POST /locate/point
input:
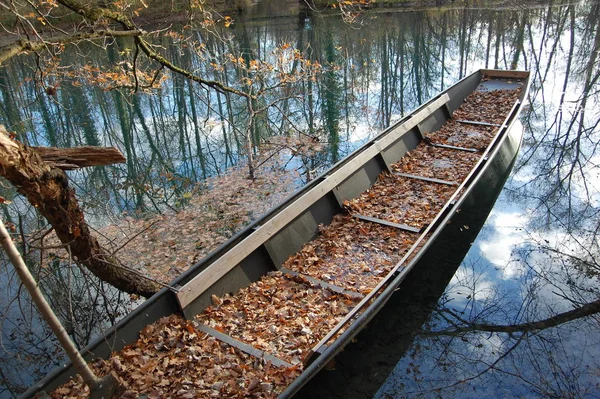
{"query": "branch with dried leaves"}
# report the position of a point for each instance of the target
(24, 45)
(101, 16)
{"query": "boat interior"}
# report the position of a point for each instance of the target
(289, 291)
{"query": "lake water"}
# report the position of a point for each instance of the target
(536, 259)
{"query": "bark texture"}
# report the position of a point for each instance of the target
(79, 157)
(47, 189)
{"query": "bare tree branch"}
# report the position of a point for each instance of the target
(554, 321)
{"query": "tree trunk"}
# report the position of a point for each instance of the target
(47, 189)
(249, 149)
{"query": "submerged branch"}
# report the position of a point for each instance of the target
(586, 310)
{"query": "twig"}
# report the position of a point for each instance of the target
(134, 236)
(129, 269)
(45, 309)
(22, 233)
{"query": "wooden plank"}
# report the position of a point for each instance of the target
(386, 223)
(362, 180)
(478, 123)
(244, 347)
(453, 147)
(79, 157)
(291, 238)
(395, 152)
(203, 280)
(428, 179)
(322, 283)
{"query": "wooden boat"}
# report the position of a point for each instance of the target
(287, 293)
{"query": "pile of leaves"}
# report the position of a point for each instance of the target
(438, 163)
(463, 135)
(173, 359)
(410, 201)
(282, 315)
(401, 200)
(490, 106)
(351, 254)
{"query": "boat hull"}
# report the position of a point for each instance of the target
(265, 244)
(488, 184)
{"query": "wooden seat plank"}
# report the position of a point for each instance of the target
(428, 179)
(466, 122)
(387, 223)
(322, 283)
(453, 147)
(244, 347)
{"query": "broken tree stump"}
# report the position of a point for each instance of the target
(79, 157)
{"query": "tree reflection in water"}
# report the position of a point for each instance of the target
(518, 317)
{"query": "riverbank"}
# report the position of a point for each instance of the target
(155, 14)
